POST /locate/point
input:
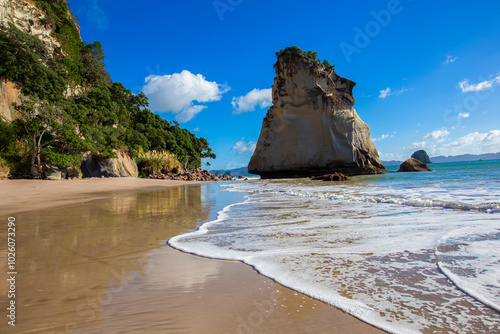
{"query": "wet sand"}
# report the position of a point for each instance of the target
(98, 263)
(26, 195)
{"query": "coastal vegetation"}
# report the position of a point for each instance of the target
(298, 52)
(152, 162)
(70, 105)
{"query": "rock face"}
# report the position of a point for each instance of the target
(4, 172)
(121, 166)
(9, 94)
(421, 156)
(312, 128)
(53, 173)
(413, 165)
(26, 16)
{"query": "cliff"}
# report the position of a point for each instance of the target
(67, 106)
(312, 128)
(27, 17)
(9, 93)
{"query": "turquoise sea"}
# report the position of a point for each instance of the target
(405, 252)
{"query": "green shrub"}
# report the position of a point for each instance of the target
(155, 162)
(61, 160)
(295, 51)
(8, 136)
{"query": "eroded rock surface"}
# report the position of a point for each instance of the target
(413, 165)
(121, 166)
(312, 128)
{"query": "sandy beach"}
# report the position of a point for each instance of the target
(91, 258)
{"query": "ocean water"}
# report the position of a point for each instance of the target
(406, 252)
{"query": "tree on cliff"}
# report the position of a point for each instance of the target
(99, 116)
(45, 126)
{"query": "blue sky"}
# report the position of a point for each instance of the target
(427, 72)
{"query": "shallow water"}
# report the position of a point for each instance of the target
(103, 266)
(68, 257)
(406, 252)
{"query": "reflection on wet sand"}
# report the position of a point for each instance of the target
(103, 267)
(67, 257)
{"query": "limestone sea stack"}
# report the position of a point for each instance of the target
(312, 129)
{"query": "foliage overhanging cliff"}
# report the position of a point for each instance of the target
(71, 105)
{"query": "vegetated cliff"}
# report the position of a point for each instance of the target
(312, 128)
(67, 106)
(28, 17)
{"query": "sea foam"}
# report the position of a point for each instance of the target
(402, 259)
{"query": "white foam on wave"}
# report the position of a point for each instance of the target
(431, 197)
(375, 260)
(470, 258)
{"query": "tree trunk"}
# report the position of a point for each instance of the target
(33, 169)
(38, 149)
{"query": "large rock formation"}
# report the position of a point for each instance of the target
(28, 17)
(312, 128)
(414, 165)
(121, 166)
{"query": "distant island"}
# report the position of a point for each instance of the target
(242, 171)
(456, 158)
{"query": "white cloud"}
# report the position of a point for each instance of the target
(388, 92)
(463, 115)
(97, 16)
(390, 156)
(256, 97)
(383, 137)
(450, 59)
(437, 135)
(401, 91)
(185, 115)
(384, 93)
(472, 143)
(243, 147)
(422, 145)
(196, 129)
(466, 87)
(477, 143)
(176, 93)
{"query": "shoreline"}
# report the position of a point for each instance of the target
(95, 256)
(26, 195)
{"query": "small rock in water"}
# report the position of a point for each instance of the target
(331, 177)
(413, 165)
